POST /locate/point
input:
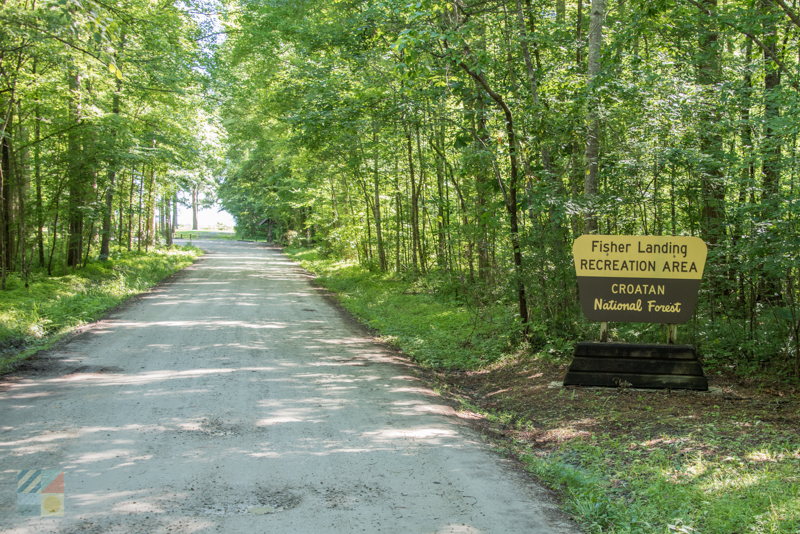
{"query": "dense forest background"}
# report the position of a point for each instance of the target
(460, 144)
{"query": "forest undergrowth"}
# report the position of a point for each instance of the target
(621, 461)
(38, 309)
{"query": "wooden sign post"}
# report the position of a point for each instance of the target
(642, 279)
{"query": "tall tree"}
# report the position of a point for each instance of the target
(593, 116)
(711, 141)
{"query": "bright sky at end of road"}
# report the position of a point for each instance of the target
(206, 218)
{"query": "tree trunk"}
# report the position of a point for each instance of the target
(194, 207)
(555, 181)
(414, 197)
(423, 256)
(174, 213)
(367, 209)
(441, 256)
(482, 187)
(112, 176)
(376, 206)
(579, 34)
(771, 152)
(5, 197)
(120, 209)
(140, 228)
(22, 175)
(511, 200)
(37, 169)
(534, 86)
(711, 143)
(55, 234)
(150, 209)
(577, 161)
(109, 208)
(77, 193)
(88, 244)
(593, 132)
(130, 207)
(162, 217)
(168, 222)
(748, 170)
(398, 199)
(771, 166)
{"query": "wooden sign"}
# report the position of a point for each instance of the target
(639, 279)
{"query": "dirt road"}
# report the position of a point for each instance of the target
(236, 398)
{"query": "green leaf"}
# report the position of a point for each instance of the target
(461, 141)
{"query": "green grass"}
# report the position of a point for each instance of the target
(433, 329)
(32, 318)
(620, 486)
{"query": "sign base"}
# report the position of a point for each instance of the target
(636, 365)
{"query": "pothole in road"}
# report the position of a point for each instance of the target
(216, 427)
(260, 502)
(95, 369)
(348, 498)
(241, 508)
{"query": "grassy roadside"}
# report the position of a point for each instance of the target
(33, 318)
(622, 461)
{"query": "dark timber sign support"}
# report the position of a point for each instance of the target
(642, 279)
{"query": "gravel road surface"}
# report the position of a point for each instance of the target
(237, 398)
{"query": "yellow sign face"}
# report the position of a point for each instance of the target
(644, 279)
(630, 256)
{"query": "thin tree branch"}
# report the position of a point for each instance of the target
(41, 139)
(788, 10)
(225, 32)
(499, 100)
(57, 38)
